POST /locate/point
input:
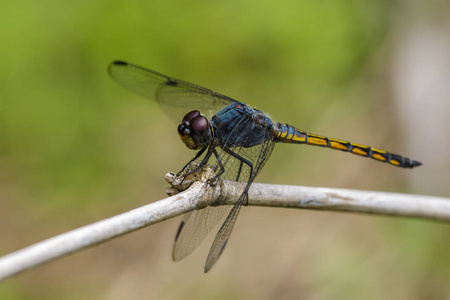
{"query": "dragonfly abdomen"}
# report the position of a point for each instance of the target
(288, 134)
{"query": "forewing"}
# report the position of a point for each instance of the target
(176, 97)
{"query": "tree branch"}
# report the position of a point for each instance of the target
(201, 194)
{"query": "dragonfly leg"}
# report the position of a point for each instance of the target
(211, 150)
(243, 161)
(240, 169)
(199, 153)
(219, 162)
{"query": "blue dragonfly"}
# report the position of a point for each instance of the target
(238, 138)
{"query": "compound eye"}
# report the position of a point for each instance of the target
(200, 131)
(190, 115)
(199, 124)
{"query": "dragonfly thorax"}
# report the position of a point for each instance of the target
(195, 130)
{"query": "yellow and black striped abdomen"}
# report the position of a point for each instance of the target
(285, 133)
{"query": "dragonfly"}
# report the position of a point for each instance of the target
(238, 138)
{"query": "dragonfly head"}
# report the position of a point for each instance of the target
(195, 130)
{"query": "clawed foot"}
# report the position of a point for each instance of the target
(190, 174)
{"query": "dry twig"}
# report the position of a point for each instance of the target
(200, 194)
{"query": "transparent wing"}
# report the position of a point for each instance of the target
(221, 239)
(175, 97)
(194, 228)
(237, 170)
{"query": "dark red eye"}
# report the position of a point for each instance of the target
(190, 115)
(200, 131)
(195, 130)
(198, 124)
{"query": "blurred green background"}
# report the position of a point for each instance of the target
(76, 148)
